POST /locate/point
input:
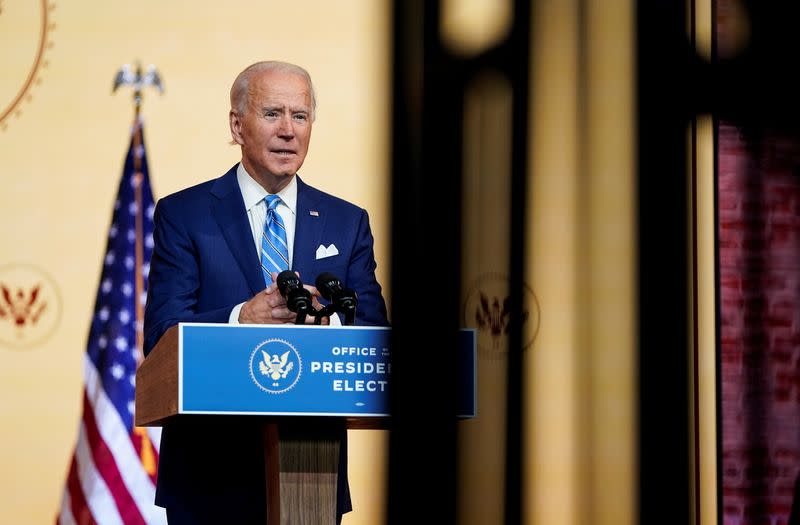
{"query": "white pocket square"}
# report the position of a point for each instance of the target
(330, 251)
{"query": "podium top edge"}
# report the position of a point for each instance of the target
(291, 326)
(309, 326)
(285, 326)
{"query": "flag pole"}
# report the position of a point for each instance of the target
(138, 79)
(137, 188)
(135, 78)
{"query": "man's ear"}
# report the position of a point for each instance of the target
(236, 128)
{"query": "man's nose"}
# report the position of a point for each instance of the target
(286, 130)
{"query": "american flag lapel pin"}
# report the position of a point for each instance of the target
(313, 213)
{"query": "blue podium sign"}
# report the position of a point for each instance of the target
(295, 370)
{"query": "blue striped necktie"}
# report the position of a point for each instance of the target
(274, 249)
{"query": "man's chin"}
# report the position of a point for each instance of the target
(285, 169)
(280, 172)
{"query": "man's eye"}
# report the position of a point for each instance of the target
(270, 114)
(301, 116)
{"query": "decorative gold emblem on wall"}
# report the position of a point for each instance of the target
(30, 306)
(487, 308)
(25, 30)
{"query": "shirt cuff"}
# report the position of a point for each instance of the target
(234, 317)
(335, 321)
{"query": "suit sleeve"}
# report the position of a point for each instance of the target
(174, 280)
(360, 277)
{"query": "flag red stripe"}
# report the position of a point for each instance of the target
(80, 510)
(107, 467)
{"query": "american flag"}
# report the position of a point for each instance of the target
(112, 476)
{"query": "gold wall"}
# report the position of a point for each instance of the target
(580, 374)
(61, 154)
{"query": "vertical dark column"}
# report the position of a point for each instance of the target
(426, 189)
(664, 360)
(516, 54)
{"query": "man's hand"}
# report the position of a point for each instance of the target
(266, 307)
(269, 307)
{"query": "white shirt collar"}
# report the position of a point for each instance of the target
(253, 193)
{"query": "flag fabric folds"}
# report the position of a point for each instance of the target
(112, 476)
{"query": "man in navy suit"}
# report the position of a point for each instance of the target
(206, 268)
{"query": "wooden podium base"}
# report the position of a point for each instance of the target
(301, 463)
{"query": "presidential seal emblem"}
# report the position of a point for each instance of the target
(487, 308)
(275, 366)
(25, 30)
(30, 306)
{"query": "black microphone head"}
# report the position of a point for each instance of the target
(298, 299)
(327, 284)
(287, 280)
(343, 300)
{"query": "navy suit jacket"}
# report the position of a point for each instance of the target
(204, 263)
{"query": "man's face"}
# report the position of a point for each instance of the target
(275, 130)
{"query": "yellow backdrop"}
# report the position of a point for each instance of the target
(63, 137)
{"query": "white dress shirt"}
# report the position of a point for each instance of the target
(253, 194)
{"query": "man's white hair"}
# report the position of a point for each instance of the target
(242, 83)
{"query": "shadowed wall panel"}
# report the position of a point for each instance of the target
(485, 261)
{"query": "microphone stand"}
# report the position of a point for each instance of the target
(327, 311)
(349, 316)
(301, 316)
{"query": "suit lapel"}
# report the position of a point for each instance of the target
(228, 210)
(308, 229)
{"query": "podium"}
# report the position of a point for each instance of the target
(304, 382)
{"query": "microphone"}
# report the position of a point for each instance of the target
(298, 299)
(344, 300)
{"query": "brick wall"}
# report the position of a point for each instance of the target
(759, 254)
